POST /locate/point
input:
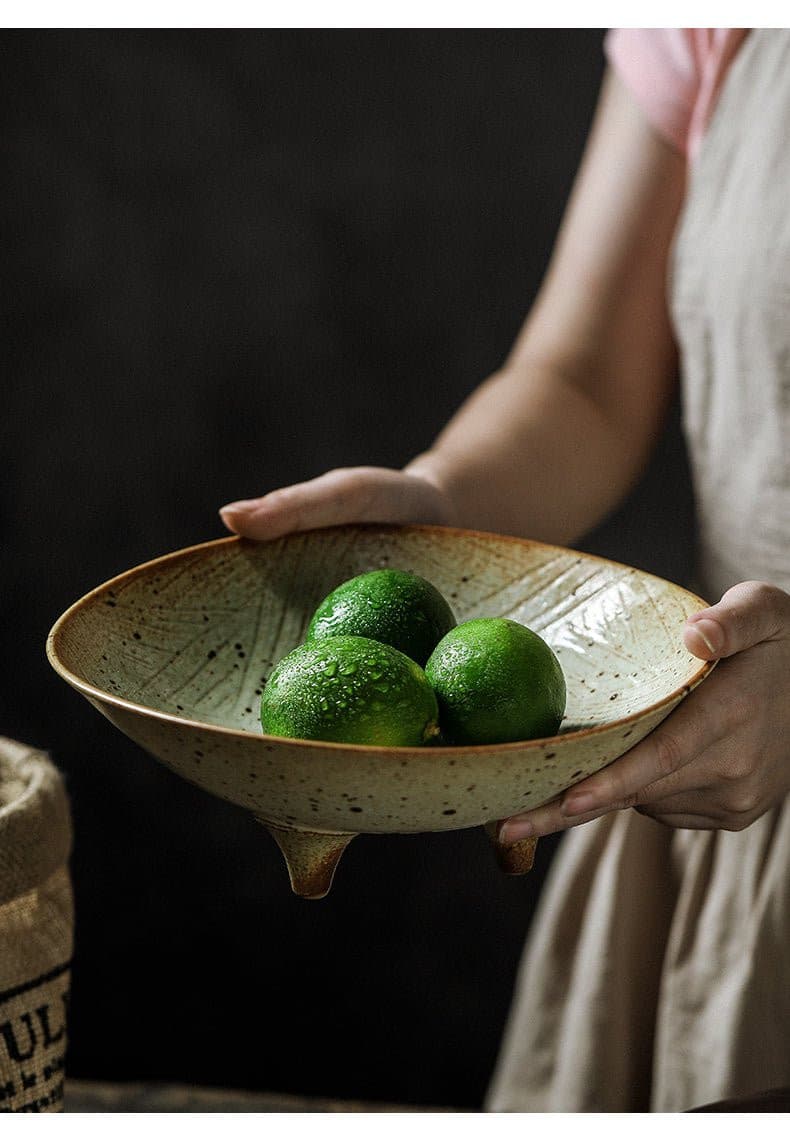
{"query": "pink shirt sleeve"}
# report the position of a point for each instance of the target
(675, 74)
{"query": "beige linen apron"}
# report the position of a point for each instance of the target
(657, 973)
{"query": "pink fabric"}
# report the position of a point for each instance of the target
(675, 73)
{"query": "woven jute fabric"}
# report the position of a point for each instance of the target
(36, 929)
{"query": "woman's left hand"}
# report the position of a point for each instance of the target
(722, 758)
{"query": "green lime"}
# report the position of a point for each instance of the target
(388, 605)
(349, 689)
(496, 681)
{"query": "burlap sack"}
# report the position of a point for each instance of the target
(36, 929)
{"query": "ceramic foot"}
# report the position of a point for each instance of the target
(513, 859)
(311, 857)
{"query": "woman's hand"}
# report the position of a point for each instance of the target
(347, 494)
(722, 758)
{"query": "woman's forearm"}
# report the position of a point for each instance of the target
(551, 443)
(532, 453)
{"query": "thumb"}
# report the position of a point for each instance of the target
(747, 614)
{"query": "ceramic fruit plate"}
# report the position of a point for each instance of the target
(176, 652)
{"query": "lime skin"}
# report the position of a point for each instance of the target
(350, 689)
(496, 681)
(392, 606)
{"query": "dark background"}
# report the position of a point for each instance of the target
(233, 260)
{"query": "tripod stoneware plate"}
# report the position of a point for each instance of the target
(176, 652)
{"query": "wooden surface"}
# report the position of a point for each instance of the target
(86, 1097)
(776, 1101)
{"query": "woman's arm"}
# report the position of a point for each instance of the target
(551, 443)
(562, 432)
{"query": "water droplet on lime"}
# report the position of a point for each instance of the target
(390, 605)
(301, 700)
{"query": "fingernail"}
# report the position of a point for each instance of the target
(709, 632)
(241, 507)
(578, 803)
(514, 830)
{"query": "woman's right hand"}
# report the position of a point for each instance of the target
(347, 494)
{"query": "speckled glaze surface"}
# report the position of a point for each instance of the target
(176, 651)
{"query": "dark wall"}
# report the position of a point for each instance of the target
(235, 259)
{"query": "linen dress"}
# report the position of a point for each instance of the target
(657, 972)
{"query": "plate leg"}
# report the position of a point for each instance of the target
(311, 857)
(513, 859)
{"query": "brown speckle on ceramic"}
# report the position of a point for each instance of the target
(175, 653)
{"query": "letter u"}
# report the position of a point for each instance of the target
(9, 1036)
